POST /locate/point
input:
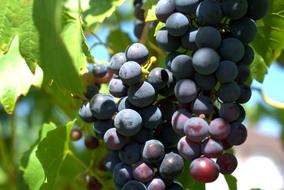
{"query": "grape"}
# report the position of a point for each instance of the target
(229, 92)
(158, 78)
(130, 154)
(141, 95)
(168, 90)
(211, 148)
(138, 11)
(208, 37)
(169, 59)
(185, 91)
(100, 70)
(209, 13)
(93, 183)
(167, 108)
(188, 149)
(177, 24)
(91, 142)
(178, 120)
(205, 82)
(238, 134)
(219, 129)
(164, 9)
(227, 72)
(249, 55)
(204, 170)
(181, 66)
(143, 135)
(111, 160)
(125, 104)
(257, 8)
(134, 185)
(229, 111)
(196, 129)
(143, 172)
(117, 88)
(232, 49)
(153, 151)
(138, 28)
(227, 163)
(151, 116)
(188, 40)
(130, 73)
(245, 94)
(244, 73)
(244, 29)
(242, 116)
(76, 134)
(114, 140)
(122, 173)
(128, 122)
(92, 89)
(205, 61)
(102, 106)
(175, 186)
(137, 52)
(167, 135)
(166, 41)
(202, 105)
(171, 166)
(156, 184)
(235, 9)
(86, 114)
(186, 6)
(117, 61)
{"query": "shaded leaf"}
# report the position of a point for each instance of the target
(118, 40)
(231, 181)
(16, 77)
(258, 68)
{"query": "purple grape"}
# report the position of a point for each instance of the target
(130, 153)
(188, 149)
(143, 172)
(171, 166)
(178, 120)
(153, 151)
(219, 129)
(122, 173)
(211, 148)
(196, 129)
(238, 134)
(227, 163)
(156, 184)
(114, 140)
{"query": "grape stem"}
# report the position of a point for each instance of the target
(269, 101)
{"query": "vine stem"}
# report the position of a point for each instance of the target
(144, 35)
(269, 101)
(88, 169)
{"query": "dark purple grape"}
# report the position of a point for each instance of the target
(208, 37)
(185, 91)
(211, 148)
(130, 153)
(244, 29)
(102, 106)
(91, 142)
(153, 151)
(130, 73)
(234, 9)
(91, 90)
(125, 104)
(122, 173)
(167, 108)
(117, 61)
(175, 186)
(143, 172)
(158, 78)
(229, 111)
(177, 24)
(196, 129)
(114, 140)
(168, 90)
(76, 134)
(86, 114)
(178, 120)
(111, 160)
(186, 6)
(93, 183)
(101, 126)
(249, 55)
(219, 129)
(181, 66)
(137, 52)
(242, 116)
(171, 166)
(227, 72)
(164, 9)
(244, 73)
(156, 184)
(188, 40)
(204, 170)
(151, 116)
(227, 163)
(229, 92)
(117, 88)
(209, 13)
(128, 122)
(245, 94)
(232, 49)
(167, 135)
(188, 149)
(169, 59)
(144, 135)
(257, 8)
(202, 105)
(139, 11)
(134, 185)
(166, 41)
(205, 82)
(238, 134)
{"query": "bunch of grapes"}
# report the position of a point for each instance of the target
(209, 57)
(154, 119)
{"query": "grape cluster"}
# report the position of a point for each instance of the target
(209, 58)
(139, 23)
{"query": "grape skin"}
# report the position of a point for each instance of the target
(117, 88)
(171, 166)
(229, 111)
(229, 92)
(181, 66)
(205, 82)
(122, 173)
(257, 8)
(153, 151)
(102, 106)
(111, 160)
(86, 114)
(130, 73)
(130, 153)
(177, 24)
(164, 9)
(143, 172)
(134, 185)
(186, 6)
(202, 105)
(185, 91)
(227, 163)
(196, 129)
(178, 120)
(117, 61)
(137, 52)
(244, 29)
(188, 149)
(227, 72)
(166, 41)
(188, 40)
(151, 116)
(209, 13)
(208, 37)
(101, 126)
(235, 9)
(158, 78)
(114, 140)
(238, 134)
(212, 148)
(245, 94)
(232, 49)
(156, 184)
(219, 129)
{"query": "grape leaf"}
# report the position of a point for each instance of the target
(148, 4)
(55, 57)
(258, 68)
(99, 10)
(16, 19)
(16, 77)
(122, 43)
(269, 42)
(33, 172)
(150, 14)
(231, 181)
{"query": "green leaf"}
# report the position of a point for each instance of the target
(231, 181)
(58, 65)
(258, 68)
(16, 77)
(33, 172)
(52, 151)
(159, 26)
(270, 39)
(118, 40)
(148, 4)
(150, 14)
(16, 19)
(99, 10)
